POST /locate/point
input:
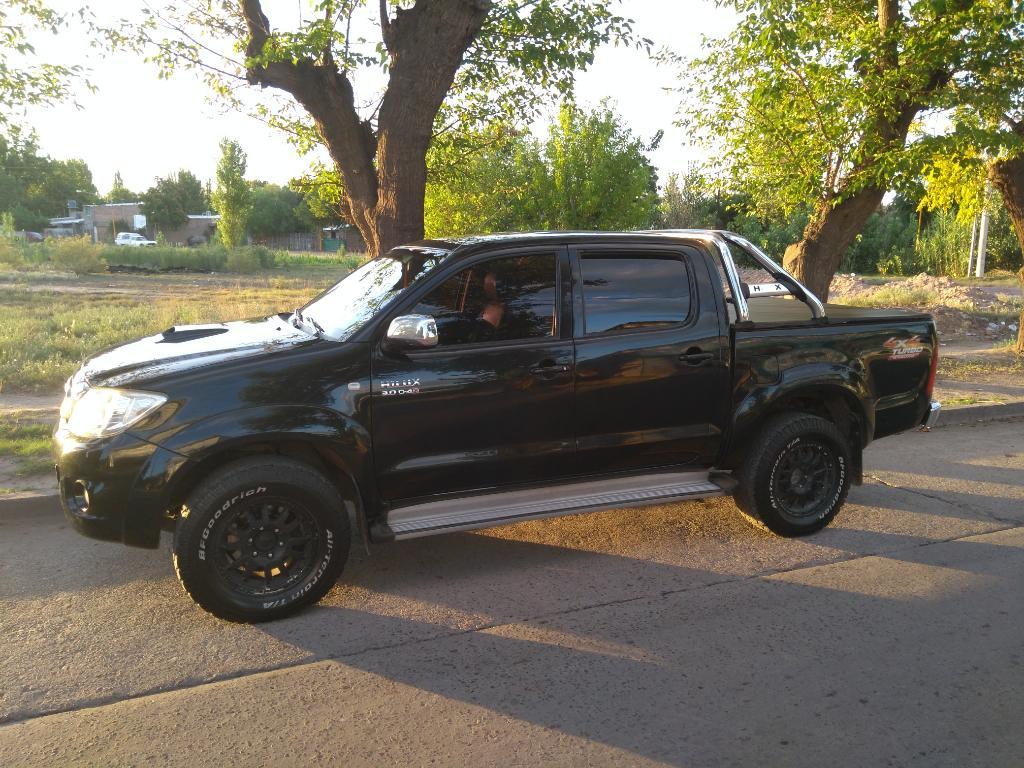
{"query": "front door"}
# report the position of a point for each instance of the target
(491, 405)
(652, 383)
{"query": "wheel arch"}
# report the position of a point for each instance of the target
(318, 454)
(835, 401)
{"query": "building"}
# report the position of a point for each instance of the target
(344, 238)
(196, 231)
(65, 226)
(103, 222)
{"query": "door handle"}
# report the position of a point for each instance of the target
(694, 356)
(548, 369)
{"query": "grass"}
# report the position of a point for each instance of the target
(46, 334)
(969, 400)
(968, 370)
(26, 441)
(895, 295)
(79, 255)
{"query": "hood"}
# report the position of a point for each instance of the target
(185, 347)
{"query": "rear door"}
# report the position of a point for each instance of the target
(491, 405)
(652, 384)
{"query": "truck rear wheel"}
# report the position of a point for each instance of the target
(260, 539)
(795, 476)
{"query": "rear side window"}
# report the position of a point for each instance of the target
(635, 291)
(506, 299)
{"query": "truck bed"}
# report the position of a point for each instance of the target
(882, 357)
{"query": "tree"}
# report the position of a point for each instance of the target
(449, 64)
(168, 203)
(600, 175)
(591, 173)
(811, 102)
(987, 140)
(119, 193)
(687, 204)
(277, 210)
(233, 197)
(495, 183)
(23, 79)
(35, 188)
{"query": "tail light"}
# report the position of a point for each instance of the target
(932, 370)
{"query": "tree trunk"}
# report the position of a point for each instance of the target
(832, 228)
(1008, 177)
(383, 171)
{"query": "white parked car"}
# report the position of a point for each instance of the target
(132, 238)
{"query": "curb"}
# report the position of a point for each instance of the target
(972, 414)
(47, 504)
(24, 507)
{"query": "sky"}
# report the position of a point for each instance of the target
(145, 127)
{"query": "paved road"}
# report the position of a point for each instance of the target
(664, 636)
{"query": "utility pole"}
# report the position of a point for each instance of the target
(979, 268)
(974, 241)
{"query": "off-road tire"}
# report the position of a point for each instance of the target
(307, 532)
(760, 475)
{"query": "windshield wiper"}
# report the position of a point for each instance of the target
(319, 329)
(300, 320)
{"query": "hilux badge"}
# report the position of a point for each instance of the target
(400, 387)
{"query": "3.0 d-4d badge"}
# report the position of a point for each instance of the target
(402, 387)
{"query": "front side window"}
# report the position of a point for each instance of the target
(635, 291)
(504, 299)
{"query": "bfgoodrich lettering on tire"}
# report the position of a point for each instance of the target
(260, 539)
(796, 474)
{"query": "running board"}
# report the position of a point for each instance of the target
(503, 508)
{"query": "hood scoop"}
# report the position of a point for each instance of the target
(175, 335)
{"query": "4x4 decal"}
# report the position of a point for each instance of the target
(904, 349)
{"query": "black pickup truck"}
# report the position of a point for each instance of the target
(451, 385)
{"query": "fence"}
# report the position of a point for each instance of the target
(294, 241)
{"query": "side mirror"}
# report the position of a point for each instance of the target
(412, 332)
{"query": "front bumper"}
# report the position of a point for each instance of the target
(114, 489)
(933, 414)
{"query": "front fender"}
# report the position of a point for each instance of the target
(193, 444)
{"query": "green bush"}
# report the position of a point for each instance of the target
(347, 261)
(244, 260)
(76, 254)
(167, 257)
(12, 256)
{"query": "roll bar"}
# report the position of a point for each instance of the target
(796, 288)
(719, 241)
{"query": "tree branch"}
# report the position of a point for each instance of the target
(1017, 126)
(386, 31)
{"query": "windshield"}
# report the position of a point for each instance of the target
(343, 308)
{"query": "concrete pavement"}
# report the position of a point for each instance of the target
(670, 635)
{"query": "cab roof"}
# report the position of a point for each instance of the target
(472, 243)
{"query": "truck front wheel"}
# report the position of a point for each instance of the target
(795, 475)
(260, 539)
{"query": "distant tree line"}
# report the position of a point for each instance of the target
(589, 172)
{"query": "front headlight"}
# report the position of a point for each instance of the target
(103, 411)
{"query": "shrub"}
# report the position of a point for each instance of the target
(11, 255)
(76, 254)
(166, 257)
(244, 260)
(348, 261)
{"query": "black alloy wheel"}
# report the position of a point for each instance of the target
(804, 479)
(794, 475)
(260, 539)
